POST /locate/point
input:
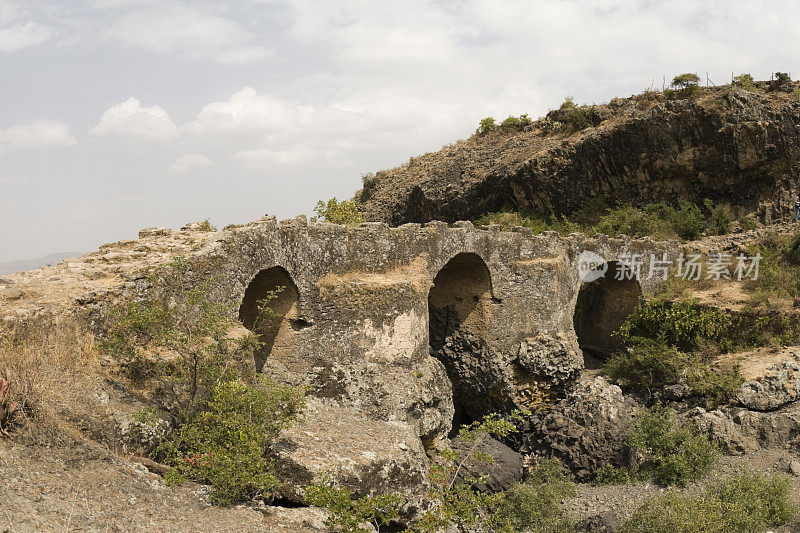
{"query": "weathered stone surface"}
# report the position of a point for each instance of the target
(723, 431)
(779, 387)
(588, 429)
(368, 456)
(730, 145)
(508, 466)
(299, 520)
(739, 430)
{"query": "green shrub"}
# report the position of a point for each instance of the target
(612, 475)
(687, 79)
(224, 444)
(535, 505)
(568, 103)
(748, 224)
(513, 123)
(744, 503)
(647, 365)
(345, 212)
(745, 81)
(486, 125)
(348, 514)
(669, 454)
(754, 502)
(781, 79)
(719, 223)
(796, 94)
(455, 500)
(206, 226)
(688, 221)
(792, 252)
(683, 324)
(779, 270)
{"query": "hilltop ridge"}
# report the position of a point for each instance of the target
(740, 148)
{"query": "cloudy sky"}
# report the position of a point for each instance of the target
(121, 114)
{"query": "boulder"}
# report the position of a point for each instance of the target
(508, 466)
(299, 520)
(367, 456)
(738, 431)
(779, 387)
(588, 429)
(723, 431)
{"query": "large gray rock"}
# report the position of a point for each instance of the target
(779, 387)
(737, 430)
(588, 429)
(299, 520)
(368, 456)
(507, 467)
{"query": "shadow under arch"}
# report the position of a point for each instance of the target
(270, 309)
(601, 308)
(458, 309)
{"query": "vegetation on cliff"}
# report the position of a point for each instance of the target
(224, 420)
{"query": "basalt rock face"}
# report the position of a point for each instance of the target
(740, 149)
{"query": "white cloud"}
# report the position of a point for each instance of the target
(187, 32)
(131, 119)
(37, 134)
(189, 161)
(23, 36)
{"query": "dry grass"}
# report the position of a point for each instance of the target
(42, 370)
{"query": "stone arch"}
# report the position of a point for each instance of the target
(458, 308)
(601, 308)
(277, 328)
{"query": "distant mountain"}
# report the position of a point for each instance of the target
(21, 265)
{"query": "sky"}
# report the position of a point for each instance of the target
(117, 115)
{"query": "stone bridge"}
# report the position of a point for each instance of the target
(422, 323)
(399, 333)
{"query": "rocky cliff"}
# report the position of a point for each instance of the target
(738, 148)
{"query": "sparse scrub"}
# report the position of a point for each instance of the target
(686, 221)
(535, 505)
(206, 226)
(683, 86)
(223, 426)
(224, 444)
(42, 376)
(745, 502)
(346, 212)
(486, 125)
(349, 514)
(647, 365)
(684, 324)
(513, 124)
(779, 271)
(746, 82)
(748, 224)
(668, 453)
(613, 475)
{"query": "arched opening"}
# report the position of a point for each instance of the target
(458, 307)
(270, 310)
(602, 307)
